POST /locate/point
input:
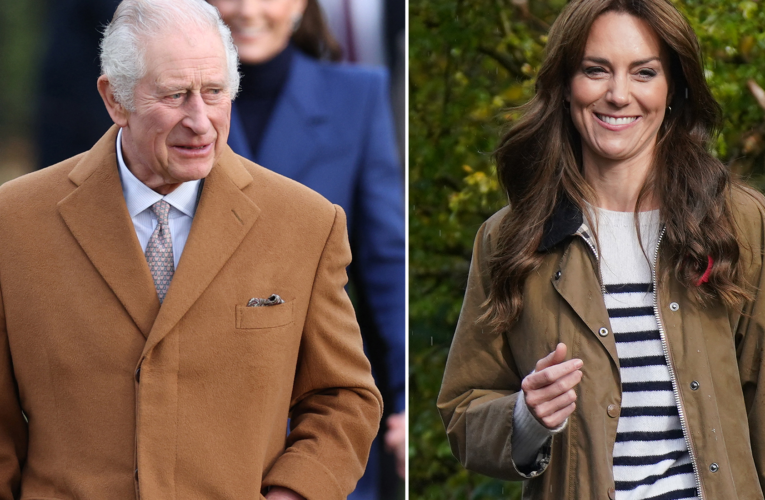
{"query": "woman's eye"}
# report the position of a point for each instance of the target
(594, 70)
(647, 73)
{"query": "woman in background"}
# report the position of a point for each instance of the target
(610, 342)
(329, 127)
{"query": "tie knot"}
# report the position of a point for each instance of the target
(161, 209)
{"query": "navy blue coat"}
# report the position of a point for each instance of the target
(331, 129)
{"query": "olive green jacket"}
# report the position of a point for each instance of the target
(715, 353)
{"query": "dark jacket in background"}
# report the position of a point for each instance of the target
(70, 116)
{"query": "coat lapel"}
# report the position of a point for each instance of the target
(223, 218)
(97, 217)
(294, 128)
(579, 286)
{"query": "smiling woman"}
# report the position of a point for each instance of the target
(611, 325)
(618, 97)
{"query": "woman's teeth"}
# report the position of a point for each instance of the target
(616, 121)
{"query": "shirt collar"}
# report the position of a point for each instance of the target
(139, 197)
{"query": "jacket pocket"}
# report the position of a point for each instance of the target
(252, 318)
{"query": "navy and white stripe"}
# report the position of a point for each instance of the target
(651, 459)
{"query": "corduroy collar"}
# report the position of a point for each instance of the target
(567, 220)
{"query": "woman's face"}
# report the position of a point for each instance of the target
(620, 91)
(261, 28)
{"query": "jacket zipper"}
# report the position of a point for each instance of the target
(671, 369)
(597, 259)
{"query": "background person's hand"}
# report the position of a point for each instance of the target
(395, 441)
(549, 389)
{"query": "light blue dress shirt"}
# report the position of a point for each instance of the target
(139, 198)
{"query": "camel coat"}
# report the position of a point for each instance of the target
(126, 399)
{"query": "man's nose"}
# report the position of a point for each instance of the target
(196, 118)
(618, 91)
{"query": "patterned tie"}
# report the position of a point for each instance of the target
(159, 251)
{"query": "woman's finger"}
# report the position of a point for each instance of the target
(549, 376)
(556, 419)
(554, 358)
(553, 406)
(564, 384)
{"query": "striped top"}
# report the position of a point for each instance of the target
(651, 459)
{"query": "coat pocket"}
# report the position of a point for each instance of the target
(253, 318)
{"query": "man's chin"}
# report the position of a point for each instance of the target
(190, 171)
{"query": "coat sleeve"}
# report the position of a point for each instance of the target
(378, 234)
(750, 333)
(481, 383)
(13, 427)
(335, 407)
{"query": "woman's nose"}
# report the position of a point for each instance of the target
(249, 9)
(619, 91)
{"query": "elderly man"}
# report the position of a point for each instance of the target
(166, 306)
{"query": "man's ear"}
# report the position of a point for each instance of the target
(116, 110)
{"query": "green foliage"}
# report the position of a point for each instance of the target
(20, 43)
(471, 62)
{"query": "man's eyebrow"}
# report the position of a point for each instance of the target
(174, 87)
(606, 62)
(170, 87)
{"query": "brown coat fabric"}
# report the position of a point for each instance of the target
(190, 400)
(720, 349)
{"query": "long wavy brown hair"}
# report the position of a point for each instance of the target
(539, 163)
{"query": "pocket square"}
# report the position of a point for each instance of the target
(270, 301)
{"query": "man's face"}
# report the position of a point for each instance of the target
(182, 110)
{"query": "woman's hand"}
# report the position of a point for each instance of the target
(549, 390)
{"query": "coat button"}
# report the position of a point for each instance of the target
(603, 332)
(695, 386)
(135, 474)
(674, 306)
(714, 467)
(557, 275)
(611, 494)
(613, 411)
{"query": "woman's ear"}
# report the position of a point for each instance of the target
(671, 93)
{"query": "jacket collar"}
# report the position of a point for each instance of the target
(567, 220)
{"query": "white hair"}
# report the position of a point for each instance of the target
(136, 21)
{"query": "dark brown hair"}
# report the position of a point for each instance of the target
(313, 37)
(539, 163)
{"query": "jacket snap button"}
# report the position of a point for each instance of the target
(611, 493)
(714, 467)
(557, 275)
(695, 386)
(613, 411)
(136, 474)
(674, 306)
(603, 332)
